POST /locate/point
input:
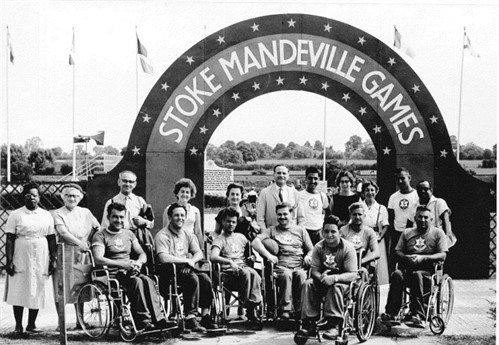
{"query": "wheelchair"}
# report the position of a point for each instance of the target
(103, 304)
(439, 302)
(360, 309)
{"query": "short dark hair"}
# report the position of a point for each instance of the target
(355, 206)
(369, 183)
(311, 170)
(229, 212)
(282, 205)
(402, 170)
(331, 219)
(185, 182)
(174, 206)
(422, 181)
(232, 186)
(422, 208)
(115, 206)
(280, 165)
(29, 186)
(343, 174)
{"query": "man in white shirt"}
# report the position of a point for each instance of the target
(401, 211)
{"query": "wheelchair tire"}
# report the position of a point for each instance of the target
(95, 311)
(445, 298)
(437, 325)
(365, 312)
(127, 326)
(300, 338)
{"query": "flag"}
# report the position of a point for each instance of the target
(72, 50)
(467, 45)
(144, 60)
(397, 42)
(9, 47)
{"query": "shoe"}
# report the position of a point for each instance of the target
(389, 318)
(147, 327)
(416, 322)
(33, 329)
(19, 330)
(250, 314)
(407, 318)
(207, 323)
(331, 334)
(194, 325)
(309, 328)
(325, 323)
(285, 316)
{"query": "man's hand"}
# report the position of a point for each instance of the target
(83, 246)
(307, 260)
(191, 263)
(52, 266)
(273, 259)
(234, 267)
(327, 279)
(127, 264)
(139, 221)
(11, 269)
(417, 259)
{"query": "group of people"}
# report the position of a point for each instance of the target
(293, 230)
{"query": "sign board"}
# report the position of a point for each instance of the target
(216, 179)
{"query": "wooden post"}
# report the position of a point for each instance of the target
(61, 295)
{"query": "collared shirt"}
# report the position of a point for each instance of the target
(133, 203)
(341, 259)
(79, 221)
(177, 244)
(30, 223)
(438, 207)
(375, 215)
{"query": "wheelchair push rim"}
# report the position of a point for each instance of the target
(445, 299)
(95, 312)
(365, 313)
(128, 331)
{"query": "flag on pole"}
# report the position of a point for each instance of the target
(9, 47)
(397, 42)
(72, 50)
(144, 60)
(467, 45)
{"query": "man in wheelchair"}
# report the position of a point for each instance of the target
(112, 247)
(228, 249)
(178, 247)
(334, 267)
(417, 251)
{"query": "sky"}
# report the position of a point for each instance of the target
(39, 84)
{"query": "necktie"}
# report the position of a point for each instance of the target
(280, 195)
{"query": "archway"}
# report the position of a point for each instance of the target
(311, 54)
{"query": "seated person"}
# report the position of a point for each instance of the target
(175, 245)
(112, 246)
(417, 251)
(228, 250)
(295, 250)
(360, 235)
(334, 267)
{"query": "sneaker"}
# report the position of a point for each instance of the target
(207, 322)
(331, 334)
(194, 325)
(389, 318)
(416, 322)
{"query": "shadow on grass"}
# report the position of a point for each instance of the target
(468, 340)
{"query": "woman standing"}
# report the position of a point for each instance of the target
(31, 257)
(345, 197)
(73, 225)
(185, 190)
(377, 218)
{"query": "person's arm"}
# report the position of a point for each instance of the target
(391, 219)
(105, 222)
(98, 253)
(69, 237)
(261, 209)
(218, 229)
(216, 257)
(446, 226)
(300, 213)
(165, 217)
(137, 248)
(260, 248)
(197, 228)
(373, 249)
(307, 248)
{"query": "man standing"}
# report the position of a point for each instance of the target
(401, 209)
(176, 246)
(314, 204)
(295, 250)
(228, 249)
(277, 193)
(418, 249)
(441, 212)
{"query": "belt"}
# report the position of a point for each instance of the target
(29, 237)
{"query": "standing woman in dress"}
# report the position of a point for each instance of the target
(31, 250)
(377, 218)
(185, 190)
(345, 197)
(73, 224)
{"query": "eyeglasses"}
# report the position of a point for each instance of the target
(128, 181)
(344, 181)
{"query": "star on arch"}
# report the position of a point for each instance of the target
(325, 85)
(194, 151)
(327, 27)
(220, 40)
(377, 129)
(415, 88)
(255, 27)
(280, 81)
(216, 112)
(203, 130)
(291, 23)
(443, 153)
(361, 40)
(165, 86)
(346, 97)
(136, 150)
(146, 118)
(256, 86)
(386, 151)
(235, 96)
(391, 61)
(362, 110)
(303, 80)
(189, 60)
(433, 119)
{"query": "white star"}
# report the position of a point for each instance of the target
(327, 27)
(346, 97)
(165, 86)
(415, 88)
(203, 130)
(386, 151)
(361, 40)
(303, 80)
(235, 96)
(391, 61)
(280, 81)
(291, 22)
(194, 150)
(325, 85)
(136, 150)
(362, 110)
(433, 119)
(443, 153)
(377, 129)
(220, 40)
(190, 60)
(146, 118)
(255, 27)
(256, 86)
(216, 112)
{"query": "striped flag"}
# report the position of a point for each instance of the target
(72, 50)
(397, 42)
(144, 60)
(9, 47)
(467, 45)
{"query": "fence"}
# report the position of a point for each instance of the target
(493, 245)
(11, 198)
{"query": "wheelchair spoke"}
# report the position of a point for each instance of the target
(94, 310)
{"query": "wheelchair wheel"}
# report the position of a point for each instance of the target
(127, 325)
(96, 313)
(437, 325)
(300, 338)
(445, 299)
(365, 312)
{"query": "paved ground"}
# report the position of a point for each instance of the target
(469, 318)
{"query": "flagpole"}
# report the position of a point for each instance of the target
(460, 99)
(7, 104)
(74, 106)
(136, 74)
(324, 145)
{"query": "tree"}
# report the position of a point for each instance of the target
(228, 155)
(32, 144)
(494, 151)
(368, 150)
(66, 169)
(471, 151)
(352, 144)
(20, 170)
(264, 150)
(211, 152)
(318, 146)
(307, 144)
(303, 152)
(57, 151)
(250, 153)
(123, 150)
(278, 149)
(42, 161)
(108, 150)
(453, 141)
(487, 154)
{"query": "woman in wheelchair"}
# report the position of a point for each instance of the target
(334, 267)
(112, 247)
(418, 250)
